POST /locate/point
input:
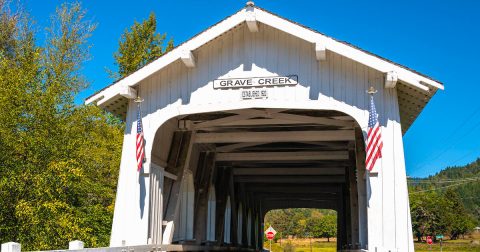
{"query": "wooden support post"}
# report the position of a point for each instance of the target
(353, 192)
(222, 194)
(179, 160)
(203, 179)
(348, 210)
(233, 202)
(341, 235)
(242, 198)
(361, 189)
(156, 204)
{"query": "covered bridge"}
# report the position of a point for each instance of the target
(257, 113)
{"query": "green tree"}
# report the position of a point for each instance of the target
(138, 46)
(439, 213)
(325, 227)
(58, 161)
(460, 222)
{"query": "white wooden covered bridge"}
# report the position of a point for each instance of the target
(257, 113)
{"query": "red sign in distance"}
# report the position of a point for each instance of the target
(270, 235)
(429, 240)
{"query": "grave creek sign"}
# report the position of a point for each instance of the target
(290, 80)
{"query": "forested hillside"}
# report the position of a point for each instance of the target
(464, 180)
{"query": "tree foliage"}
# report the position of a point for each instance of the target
(302, 222)
(439, 213)
(140, 45)
(464, 180)
(447, 202)
(58, 161)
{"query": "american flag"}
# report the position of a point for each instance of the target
(374, 137)
(140, 140)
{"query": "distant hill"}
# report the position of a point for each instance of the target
(465, 180)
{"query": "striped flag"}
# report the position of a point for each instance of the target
(374, 137)
(140, 140)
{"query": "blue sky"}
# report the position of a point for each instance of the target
(438, 38)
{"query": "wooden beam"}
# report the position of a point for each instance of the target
(391, 79)
(287, 195)
(279, 136)
(320, 51)
(256, 122)
(223, 120)
(283, 156)
(294, 188)
(313, 119)
(128, 92)
(287, 171)
(290, 179)
(158, 161)
(251, 19)
(293, 203)
(180, 162)
(266, 113)
(328, 144)
(170, 176)
(232, 147)
(188, 58)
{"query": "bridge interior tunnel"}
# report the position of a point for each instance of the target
(223, 171)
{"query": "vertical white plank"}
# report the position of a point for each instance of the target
(387, 171)
(350, 86)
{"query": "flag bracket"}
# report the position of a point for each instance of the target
(371, 90)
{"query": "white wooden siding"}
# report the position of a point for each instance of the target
(336, 83)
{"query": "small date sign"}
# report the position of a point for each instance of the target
(254, 94)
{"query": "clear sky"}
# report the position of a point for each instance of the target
(438, 38)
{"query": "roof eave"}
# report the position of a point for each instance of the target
(363, 57)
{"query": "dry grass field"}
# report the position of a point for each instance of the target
(469, 244)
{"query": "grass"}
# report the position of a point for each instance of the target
(303, 245)
(469, 244)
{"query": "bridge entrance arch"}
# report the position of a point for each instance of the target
(259, 159)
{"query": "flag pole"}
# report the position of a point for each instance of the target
(138, 100)
(371, 91)
(139, 147)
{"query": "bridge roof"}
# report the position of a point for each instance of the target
(414, 90)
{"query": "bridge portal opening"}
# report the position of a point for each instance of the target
(224, 171)
(302, 229)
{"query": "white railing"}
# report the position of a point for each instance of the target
(78, 246)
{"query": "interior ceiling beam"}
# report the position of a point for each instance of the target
(289, 188)
(228, 119)
(258, 122)
(271, 117)
(277, 136)
(287, 171)
(290, 179)
(232, 147)
(317, 196)
(291, 163)
(283, 156)
(293, 203)
(266, 113)
(313, 119)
